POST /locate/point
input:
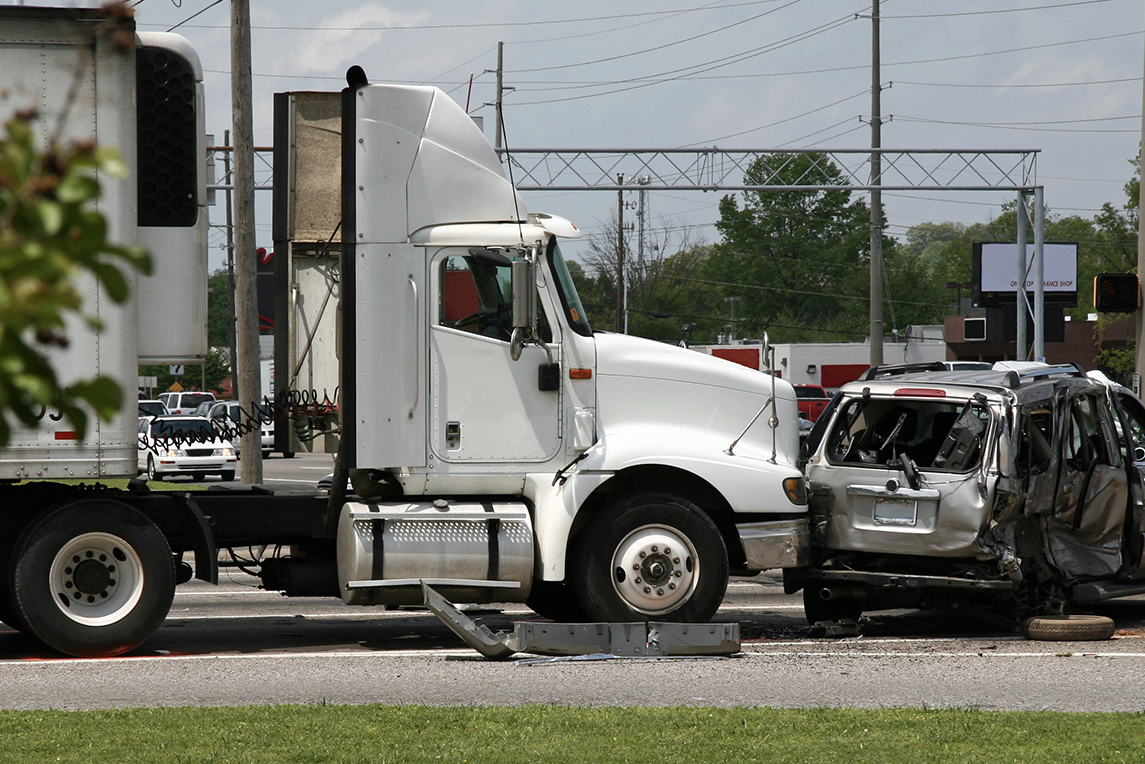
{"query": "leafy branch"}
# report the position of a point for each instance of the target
(50, 234)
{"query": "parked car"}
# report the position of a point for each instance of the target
(228, 415)
(184, 403)
(152, 408)
(811, 400)
(183, 445)
(1019, 489)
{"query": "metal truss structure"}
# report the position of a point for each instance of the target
(713, 169)
(732, 170)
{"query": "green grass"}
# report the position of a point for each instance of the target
(497, 735)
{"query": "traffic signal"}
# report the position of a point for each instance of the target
(1116, 293)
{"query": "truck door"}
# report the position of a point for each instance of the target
(487, 407)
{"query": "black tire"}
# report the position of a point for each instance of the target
(125, 578)
(556, 601)
(1068, 628)
(650, 557)
(228, 476)
(817, 609)
(8, 612)
(152, 472)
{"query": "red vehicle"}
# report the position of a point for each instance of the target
(811, 399)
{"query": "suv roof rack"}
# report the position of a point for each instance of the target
(893, 370)
(1011, 378)
(1069, 369)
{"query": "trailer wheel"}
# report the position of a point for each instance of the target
(650, 556)
(1068, 628)
(152, 472)
(94, 578)
(8, 612)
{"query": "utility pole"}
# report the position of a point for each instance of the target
(230, 265)
(876, 195)
(500, 61)
(621, 298)
(250, 386)
(1139, 366)
(732, 301)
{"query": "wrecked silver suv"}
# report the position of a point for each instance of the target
(993, 489)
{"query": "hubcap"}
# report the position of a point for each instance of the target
(655, 569)
(97, 578)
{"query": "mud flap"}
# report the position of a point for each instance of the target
(615, 639)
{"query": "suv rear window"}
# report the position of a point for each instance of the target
(936, 435)
(192, 400)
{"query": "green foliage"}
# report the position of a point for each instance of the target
(218, 369)
(799, 260)
(219, 309)
(503, 735)
(51, 234)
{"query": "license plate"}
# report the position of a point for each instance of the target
(896, 512)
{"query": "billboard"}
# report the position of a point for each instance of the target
(996, 279)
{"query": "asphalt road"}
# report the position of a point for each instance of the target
(235, 644)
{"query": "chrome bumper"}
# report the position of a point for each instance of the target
(778, 544)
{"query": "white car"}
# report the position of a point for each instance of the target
(184, 402)
(152, 409)
(183, 445)
(227, 414)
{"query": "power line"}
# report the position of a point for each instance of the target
(654, 48)
(1030, 85)
(782, 121)
(1002, 10)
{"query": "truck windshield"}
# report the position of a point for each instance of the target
(570, 300)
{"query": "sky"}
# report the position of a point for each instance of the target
(1060, 76)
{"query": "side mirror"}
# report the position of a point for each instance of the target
(524, 295)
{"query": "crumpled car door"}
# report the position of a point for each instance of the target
(1084, 529)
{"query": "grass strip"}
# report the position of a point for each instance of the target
(499, 735)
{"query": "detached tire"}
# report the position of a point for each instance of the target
(92, 579)
(1068, 628)
(650, 557)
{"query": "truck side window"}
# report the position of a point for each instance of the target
(477, 297)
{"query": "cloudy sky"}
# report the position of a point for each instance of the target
(1062, 76)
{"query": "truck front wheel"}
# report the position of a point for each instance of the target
(94, 578)
(651, 557)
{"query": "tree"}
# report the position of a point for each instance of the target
(219, 287)
(795, 258)
(665, 286)
(50, 234)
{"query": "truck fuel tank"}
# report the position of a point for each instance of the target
(474, 551)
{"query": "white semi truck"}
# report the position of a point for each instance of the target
(500, 449)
